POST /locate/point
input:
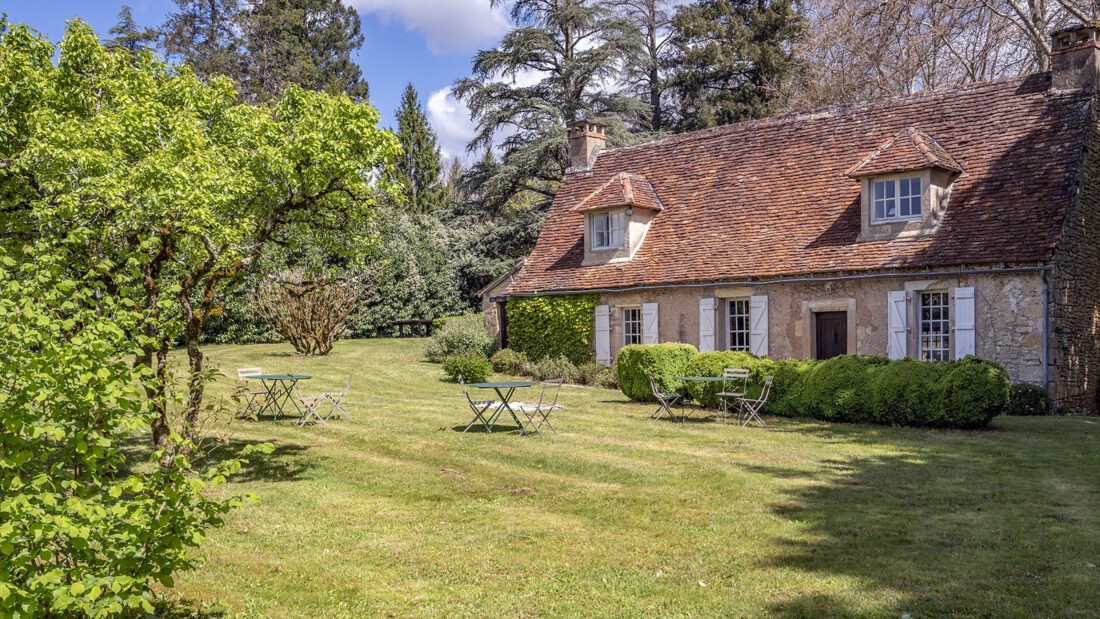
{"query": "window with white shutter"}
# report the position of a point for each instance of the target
(707, 310)
(603, 334)
(897, 322)
(964, 322)
(650, 330)
(758, 330)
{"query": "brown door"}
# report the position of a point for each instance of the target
(832, 334)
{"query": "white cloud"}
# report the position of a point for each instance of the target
(449, 26)
(451, 121)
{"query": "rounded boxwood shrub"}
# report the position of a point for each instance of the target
(839, 389)
(594, 374)
(473, 367)
(553, 367)
(1027, 399)
(508, 361)
(460, 334)
(901, 393)
(714, 362)
(786, 391)
(972, 392)
(662, 360)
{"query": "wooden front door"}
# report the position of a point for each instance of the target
(832, 334)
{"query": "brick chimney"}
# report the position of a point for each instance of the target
(1074, 52)
(586, 140)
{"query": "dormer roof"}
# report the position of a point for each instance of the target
(624, 189)
(910, 150)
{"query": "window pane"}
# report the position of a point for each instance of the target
(632, 326)
(738, 325)
(879, 210)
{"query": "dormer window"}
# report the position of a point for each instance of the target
(607, 230)
(896, 199)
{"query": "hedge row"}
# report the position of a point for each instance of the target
(853, 388)
(551, 326)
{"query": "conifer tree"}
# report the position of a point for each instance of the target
(420, 168)
(128, 35)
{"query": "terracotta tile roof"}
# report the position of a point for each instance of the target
(624, 189)
(770, 198)
(909, 150)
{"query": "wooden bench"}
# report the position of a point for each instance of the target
(408, 328)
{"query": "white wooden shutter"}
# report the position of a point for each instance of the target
(650, 331)
(897, 334)
(758, 325)
(603, 335)
(964, 322)
(706, 325)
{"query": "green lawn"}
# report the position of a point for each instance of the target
(398, 513)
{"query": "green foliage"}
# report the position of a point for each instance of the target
(82, 533)
(419, 170)
(1027, 399)
(900, 393)
(597, 375)
(787, 387)
(714, 362)
(729, 56)
(662, 360)
(508, 361)
(553, 367)
(472, 367)
(553, 325)
(460, 335)
(839, 389)
(972, 393)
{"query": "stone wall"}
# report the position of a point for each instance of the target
(1008, 314)
(1075, 288)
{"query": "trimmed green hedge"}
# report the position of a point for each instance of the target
(852, 388)
(551, 326)
(663, 360)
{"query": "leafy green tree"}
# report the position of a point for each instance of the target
(204, 34)
(128, 35)
(419, 170)
(731, 58)
(152, 170)
(82, 534)
(304, 42)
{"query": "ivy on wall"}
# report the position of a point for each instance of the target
(552, 326)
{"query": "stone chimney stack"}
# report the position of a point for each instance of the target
(1074, 54)
(586, 140)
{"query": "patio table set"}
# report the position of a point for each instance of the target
(277, 390)
(535, 415)
(733, 396)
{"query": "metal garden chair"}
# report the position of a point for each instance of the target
(739, 377)
(250, 395)
(310, 404)
(337, 398)
(750, 407)
(665, 400)
(480, 407)
(538, 415)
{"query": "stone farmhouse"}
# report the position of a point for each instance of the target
(938, 225)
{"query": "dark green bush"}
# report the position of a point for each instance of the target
(662, 360)
(460, 334)
(901, 393)
(1027, 399)
(787, 389)
(971, 393)
(714, 362)
(508, 361)
(594, 374)
(553, 367)
(473, 367)
(839, 389)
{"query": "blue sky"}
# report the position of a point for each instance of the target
(429, 43)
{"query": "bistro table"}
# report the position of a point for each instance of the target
(279, 388)
(702, 379)
(504, 390)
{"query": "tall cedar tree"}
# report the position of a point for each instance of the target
(644, 73)
(304, 42)
(128, 35)
(731, 59)
(204, 35)
(420, 168)
(573, 46)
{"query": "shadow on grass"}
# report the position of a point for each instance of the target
(172, 606)
(479, 428)
(959, 527)
(284, 463)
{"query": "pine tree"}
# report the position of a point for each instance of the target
(203, 34)
(731, 58)
(128, 35)
(420, 168)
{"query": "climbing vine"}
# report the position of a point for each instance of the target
(552, 326)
